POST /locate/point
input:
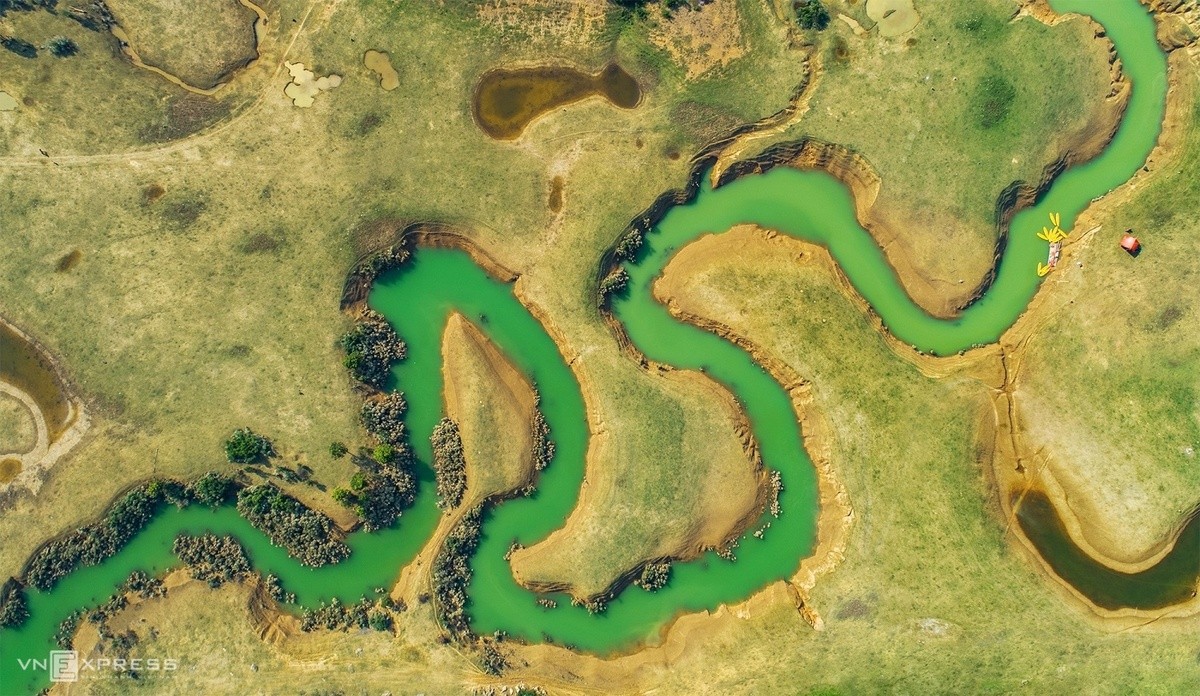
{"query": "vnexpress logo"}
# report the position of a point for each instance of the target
(64, 666)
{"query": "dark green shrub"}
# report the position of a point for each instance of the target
(62, 47)
(811, 14)
(244, 447)
(337, 450)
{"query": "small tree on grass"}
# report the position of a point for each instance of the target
(811, 14)
(245, 447)
(337, 450)
(62, 47)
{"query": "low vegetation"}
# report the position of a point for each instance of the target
(374, 614)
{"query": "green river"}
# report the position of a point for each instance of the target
(418, 298)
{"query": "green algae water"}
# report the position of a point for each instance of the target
(418, 298)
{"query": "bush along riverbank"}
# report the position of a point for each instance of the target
(449, 464)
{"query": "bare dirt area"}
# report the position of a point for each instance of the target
(704, 38)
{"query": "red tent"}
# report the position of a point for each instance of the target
(1130, 243)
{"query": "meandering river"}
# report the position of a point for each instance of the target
(418, 298)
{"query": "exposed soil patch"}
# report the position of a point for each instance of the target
(702, 38)
(379, 63)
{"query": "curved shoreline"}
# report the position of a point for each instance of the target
(127, 49)
(390, 234)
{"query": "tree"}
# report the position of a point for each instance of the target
(62, 47)
(245, 447)
(811, 14)
(211, 489)
(337, 450)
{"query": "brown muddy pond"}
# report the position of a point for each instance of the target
(506, 101)
(1171, 581)
(24, 366)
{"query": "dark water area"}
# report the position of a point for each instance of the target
(506, 101)
(1171, 581)
(23, 366)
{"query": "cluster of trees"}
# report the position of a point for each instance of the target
(211, 558)
(212, 489)
(811, 14)
(594, 605)
(308, 536)
(383, 417)
(630, 243)
(543, 446)
(245, 447)
(491, 659)
(365, 613)
(654, 576)
(383, 487)
(371, 347)
(452, 574)
(93, 16)
(449, 464)
(613, 284)
(275, 588)
(14, 606)
(93, 543)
